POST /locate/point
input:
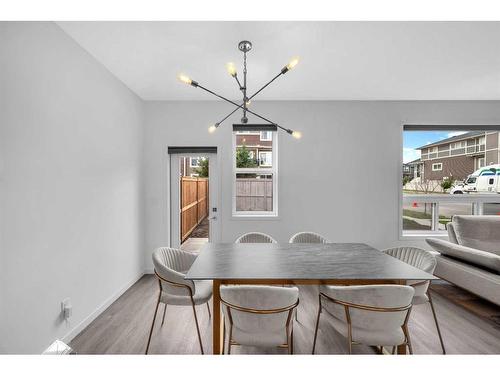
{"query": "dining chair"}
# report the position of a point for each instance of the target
(255, 237)
(170, 267)
(258, 315)
(425, 261)
(375, 315)
(307, 237)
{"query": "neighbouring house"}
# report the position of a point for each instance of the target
(189, 166)
(259, 144)
(457, 157)
(413, 169)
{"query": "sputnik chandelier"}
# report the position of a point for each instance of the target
(244, 46)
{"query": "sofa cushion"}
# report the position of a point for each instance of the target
(478, 232)
(478, 257)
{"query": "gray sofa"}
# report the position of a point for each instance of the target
(471, 257)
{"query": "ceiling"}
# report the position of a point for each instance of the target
(339, 60)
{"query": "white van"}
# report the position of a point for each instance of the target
(484, 180)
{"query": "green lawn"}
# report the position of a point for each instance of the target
(409, 224)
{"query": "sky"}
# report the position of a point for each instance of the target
(414, 139)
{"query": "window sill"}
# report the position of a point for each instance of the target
(254, 217)
(415, 235)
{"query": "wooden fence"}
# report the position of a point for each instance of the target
(254, 194)
(194, 203)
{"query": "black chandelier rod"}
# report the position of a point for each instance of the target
(196, 84)
(267, 84)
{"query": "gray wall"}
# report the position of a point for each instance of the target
(70, 185)
(341, 179)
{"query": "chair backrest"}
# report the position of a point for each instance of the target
(376, 296)
(258, 302)
(414, 256)
(255, 237)
(478, 232)
(308, 237)
(172, 265)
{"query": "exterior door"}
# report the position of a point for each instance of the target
(187, 197)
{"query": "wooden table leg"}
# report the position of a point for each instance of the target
(216, 321)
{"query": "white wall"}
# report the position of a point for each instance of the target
(70, 184)
(323, 177)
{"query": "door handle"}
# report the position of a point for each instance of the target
(213, 218)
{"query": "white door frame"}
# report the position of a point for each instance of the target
(173, 192)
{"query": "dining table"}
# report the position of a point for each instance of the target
(296, 264)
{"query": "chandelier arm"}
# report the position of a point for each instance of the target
(238, 82)
(225, 118)
(267, 84)
(289, 131)
(233, 103)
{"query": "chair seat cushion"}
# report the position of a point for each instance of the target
(203, 293)
(268, 338)
(373, 337)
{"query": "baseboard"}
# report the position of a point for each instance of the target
(89, 319)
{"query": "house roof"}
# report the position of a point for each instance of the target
(416, 161)
(453, 139)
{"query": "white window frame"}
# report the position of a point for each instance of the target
(437, 169)
(266, 165)
(265, 138)
(267, 170)
(191, 162)
(479, 162)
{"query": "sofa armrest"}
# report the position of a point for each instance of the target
(467, 254)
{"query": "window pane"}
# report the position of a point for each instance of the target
(254, 192)
(417, 216)
(252, 150)
(491, 209)
(448, 210)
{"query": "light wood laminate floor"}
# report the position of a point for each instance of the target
(124, 326)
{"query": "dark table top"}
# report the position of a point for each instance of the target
(335, 261)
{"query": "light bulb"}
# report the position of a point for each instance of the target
(248, 102)
(231, 69)
(293, 62)
(212, 128)
(185, 79)
(296, 134)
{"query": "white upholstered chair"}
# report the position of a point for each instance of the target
(258, 315)
(171, 266)
(308, 237)
(255, 237)
(375, 315)
(425, 261)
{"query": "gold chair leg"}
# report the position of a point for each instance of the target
(317, 325)
(349, 337)
(208, 308)
(153, 323)
(163, 319)
(223, 334)
(436, 321)
(393, 349)
(408, 340)
(291, 342)
(230, 339)
(197, 326)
